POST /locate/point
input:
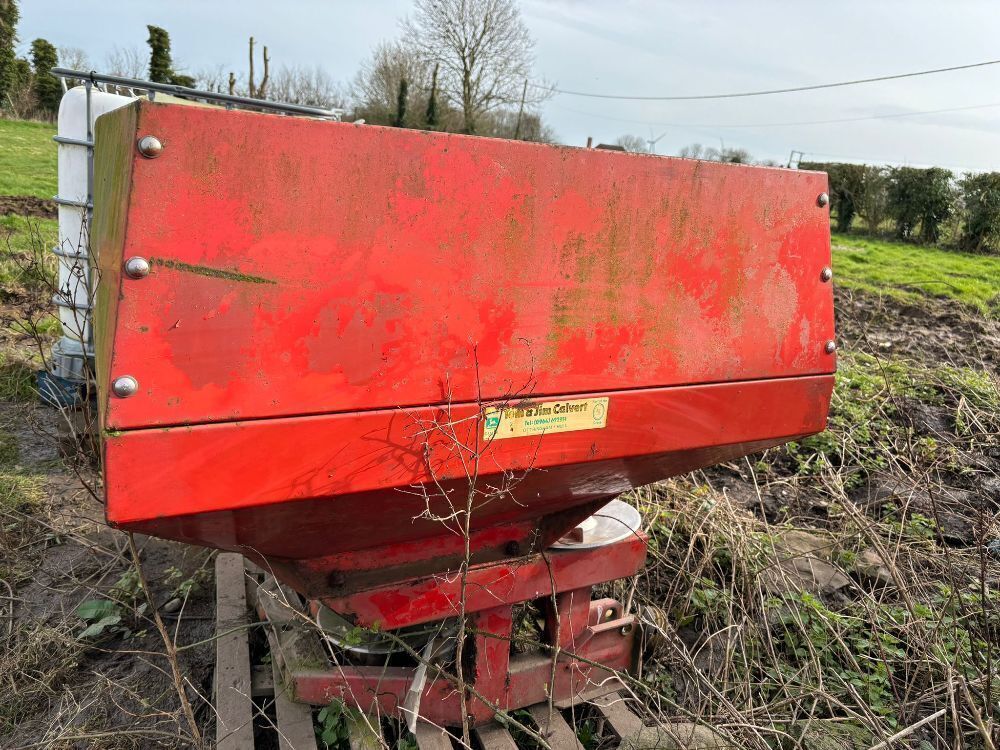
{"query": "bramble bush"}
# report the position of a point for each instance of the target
(921, 197)
(981, 200)
(919, 202)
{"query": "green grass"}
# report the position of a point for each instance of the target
(17, 382)
(23, 240)
(28, 273)
(27, 158)
(912, 273)
(20, 487)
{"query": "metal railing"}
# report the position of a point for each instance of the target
(231, 100)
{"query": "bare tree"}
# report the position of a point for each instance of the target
(484, 51)
(726, 154)
(506, 123)
(259, 91)
(633, 143)
(128, 62)
(73, 58)
(694, 151)
(311, 87)
(732, 155)
(376, 87)
(214, 79)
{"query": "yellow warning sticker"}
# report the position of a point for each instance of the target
(526, 418)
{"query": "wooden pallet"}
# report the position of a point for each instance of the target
(254, 709)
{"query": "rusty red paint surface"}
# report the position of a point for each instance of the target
(339, 492)
(324, 296)
(305, 267)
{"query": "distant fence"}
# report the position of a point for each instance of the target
(929, 206)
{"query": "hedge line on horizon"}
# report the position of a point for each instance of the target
(918, 202)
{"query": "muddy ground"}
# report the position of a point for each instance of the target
(937, 333)
(114, 689)
(28, 205)
(111, 690)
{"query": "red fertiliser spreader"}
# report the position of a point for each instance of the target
(408, 373)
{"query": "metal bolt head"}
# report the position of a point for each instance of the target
(830, 347)
(826, 274)
(125, 386)
(822, 200)
(136, 267)
(150, 146)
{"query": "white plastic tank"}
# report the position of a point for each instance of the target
(72, 356)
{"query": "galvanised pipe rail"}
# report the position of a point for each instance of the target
(169, 88)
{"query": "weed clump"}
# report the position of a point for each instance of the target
(35, 663)
(870, 416)
(844, 580)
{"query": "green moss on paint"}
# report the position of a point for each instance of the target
(215, 273)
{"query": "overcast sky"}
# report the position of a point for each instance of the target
(647, 49)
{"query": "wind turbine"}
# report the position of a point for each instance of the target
(653, 141)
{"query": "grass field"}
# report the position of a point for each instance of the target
(20, 241)
(27, 158)
(910, 272)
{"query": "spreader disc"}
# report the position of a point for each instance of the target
(615, 521)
